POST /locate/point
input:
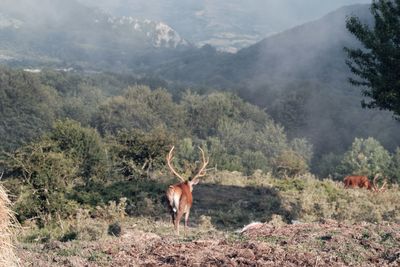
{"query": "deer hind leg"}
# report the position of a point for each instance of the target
(186, 219)
(172, 213)
(173, 202)
(178, 218)
(173, 198)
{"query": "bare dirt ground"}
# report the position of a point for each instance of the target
(327, 243)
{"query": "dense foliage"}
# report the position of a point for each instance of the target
(97, 140)
(377, 65)
(89, 136)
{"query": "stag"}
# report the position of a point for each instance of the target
(361, 181)
(180, 195)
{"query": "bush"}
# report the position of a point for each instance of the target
(394, 173)
(366, 157)
(83, 145)
(253, 161)
(45, 177)
(290, 164)
(327, 166)
(114, 229)
(89, 228)
(138, 152)
(68, 236)
(139, 108)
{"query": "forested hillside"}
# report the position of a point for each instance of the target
(300, 77)
(32, 103)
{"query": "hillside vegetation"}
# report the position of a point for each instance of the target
(93, 167)
(304, 221)
(81, 182)
(300, 77)
(83, 152)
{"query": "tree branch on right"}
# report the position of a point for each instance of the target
(376, 65)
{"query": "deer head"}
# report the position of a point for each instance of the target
(180, 195)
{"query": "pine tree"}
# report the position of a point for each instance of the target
(377, 64)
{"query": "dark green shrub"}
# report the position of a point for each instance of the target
(289, 164)
(139, 152)
(68, 236)
(83, 145)
(366, 157)
(114, 229)
(254, 161)
(46, 176)
(394, 172)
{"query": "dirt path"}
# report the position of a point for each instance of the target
(313, 244)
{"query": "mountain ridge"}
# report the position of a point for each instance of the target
(81, 34)
(300, 77)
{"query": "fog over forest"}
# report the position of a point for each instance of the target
(288, 59)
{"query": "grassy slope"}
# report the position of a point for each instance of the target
(365, 232)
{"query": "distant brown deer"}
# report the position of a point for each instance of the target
(180, 195)
(360, 181)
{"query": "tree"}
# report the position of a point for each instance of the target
(289, 164)
(377, 64)
(83, 145)
(27, 108)
(44, 176)
(366, 157)
(394, 174)
(139, 108)
(139, 152)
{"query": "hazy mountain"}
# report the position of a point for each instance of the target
(312, 51)
(300, 77)
(60, 31)
(226, 25)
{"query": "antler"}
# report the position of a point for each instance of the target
(202, 171)
(170, 156)
(376, 188)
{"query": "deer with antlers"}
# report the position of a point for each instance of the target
(180, 195)
(354, 181)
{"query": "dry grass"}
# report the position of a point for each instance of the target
(7, 227)
(304, 198)
(331, 226)
(145, 242)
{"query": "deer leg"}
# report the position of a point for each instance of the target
(172, 213)
(177, 220)
(170, 198)
(186, 219)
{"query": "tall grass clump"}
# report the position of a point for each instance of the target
(7, 256)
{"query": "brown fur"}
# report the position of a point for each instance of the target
(180, 195)
(183, 193)
(359, 181)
